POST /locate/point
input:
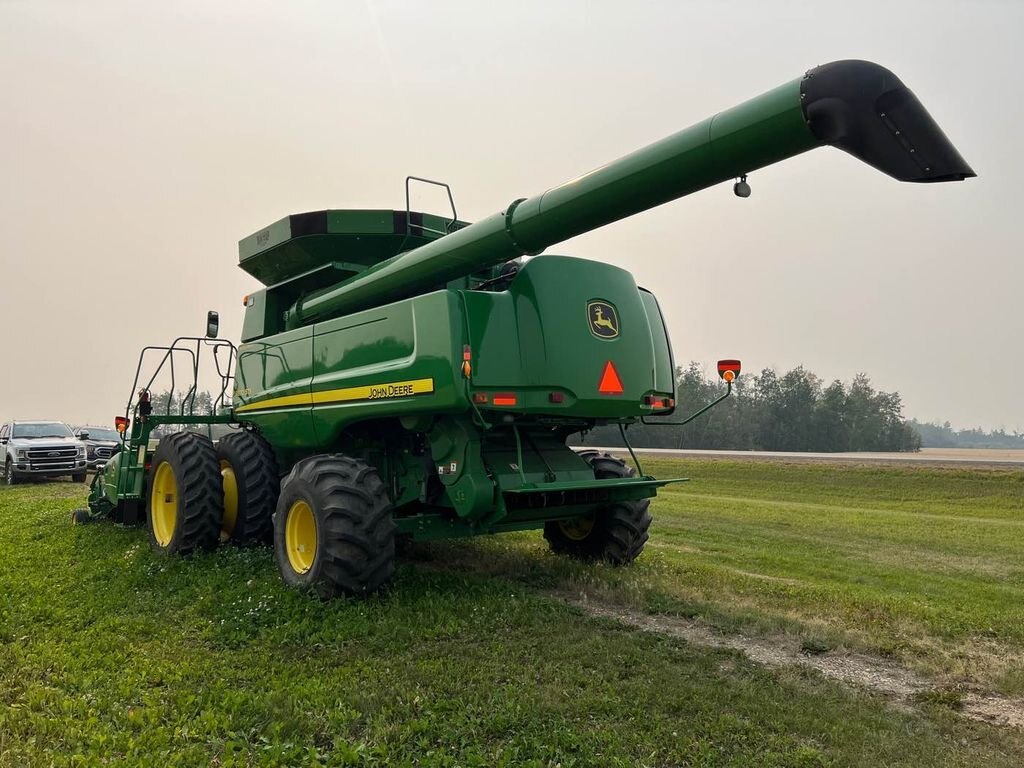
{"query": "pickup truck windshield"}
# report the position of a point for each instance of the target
(96, 433)
(42, 429)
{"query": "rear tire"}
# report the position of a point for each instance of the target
(333, 530)
(81, 517)
(588, 454)
(186, 497)
(251, 486)
(614, 534)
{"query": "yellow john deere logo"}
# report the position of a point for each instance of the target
(604, 323)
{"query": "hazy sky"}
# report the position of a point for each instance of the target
(140, 141)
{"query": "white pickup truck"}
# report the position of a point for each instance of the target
(41, 449)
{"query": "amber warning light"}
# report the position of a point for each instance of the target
(728, 370)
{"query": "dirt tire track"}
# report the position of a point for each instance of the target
(887, 678)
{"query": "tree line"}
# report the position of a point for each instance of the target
(200, 403)
(944, 436)
(768, 412)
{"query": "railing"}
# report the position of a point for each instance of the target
(183, 346)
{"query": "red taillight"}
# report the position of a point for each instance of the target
(504, 398)
(121, 424)
(659, 402)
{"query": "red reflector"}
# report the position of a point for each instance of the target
(479, 398)
(504, 398)
(466, 353)
(556, 397)
(610, 384)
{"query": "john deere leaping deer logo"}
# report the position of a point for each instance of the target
(604, 323)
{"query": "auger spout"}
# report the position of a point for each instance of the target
(859, 107)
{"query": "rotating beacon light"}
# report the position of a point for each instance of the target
(728, 370)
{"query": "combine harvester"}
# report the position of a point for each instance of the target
(404, 374)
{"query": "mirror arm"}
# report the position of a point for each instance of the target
(688, 419)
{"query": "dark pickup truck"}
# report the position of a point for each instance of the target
(100, 444)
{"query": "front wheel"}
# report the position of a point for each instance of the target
(614, 534)
(333, 529)
(186, 496)
(78, 478)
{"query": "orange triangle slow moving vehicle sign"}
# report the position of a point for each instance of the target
(610, 384)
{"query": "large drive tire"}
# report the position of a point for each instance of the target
(251, 485)
(9, 477)
(333, 530)
(186, 496)
(615, 534)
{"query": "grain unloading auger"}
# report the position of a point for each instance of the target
(410, 375)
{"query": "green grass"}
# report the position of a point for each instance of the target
(925, 566)
(112, 655)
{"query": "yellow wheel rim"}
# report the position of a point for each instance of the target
(164, 504)
(227, 523)
(577, 529)
(300, 536)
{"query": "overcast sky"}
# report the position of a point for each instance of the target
(140, 141)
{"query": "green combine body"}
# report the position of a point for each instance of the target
(416, 375)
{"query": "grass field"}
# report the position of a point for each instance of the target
(111, 655)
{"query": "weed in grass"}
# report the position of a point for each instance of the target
(814, 646)
(941, 697)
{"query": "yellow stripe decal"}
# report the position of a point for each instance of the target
(386, 391)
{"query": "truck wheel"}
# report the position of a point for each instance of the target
(9, 477)
(78, 478)
(251, 484)
(615, 534)
(186, 497)
(333, 531)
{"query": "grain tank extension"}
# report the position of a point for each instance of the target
(405, 374)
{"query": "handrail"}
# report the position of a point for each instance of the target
(186, 406)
